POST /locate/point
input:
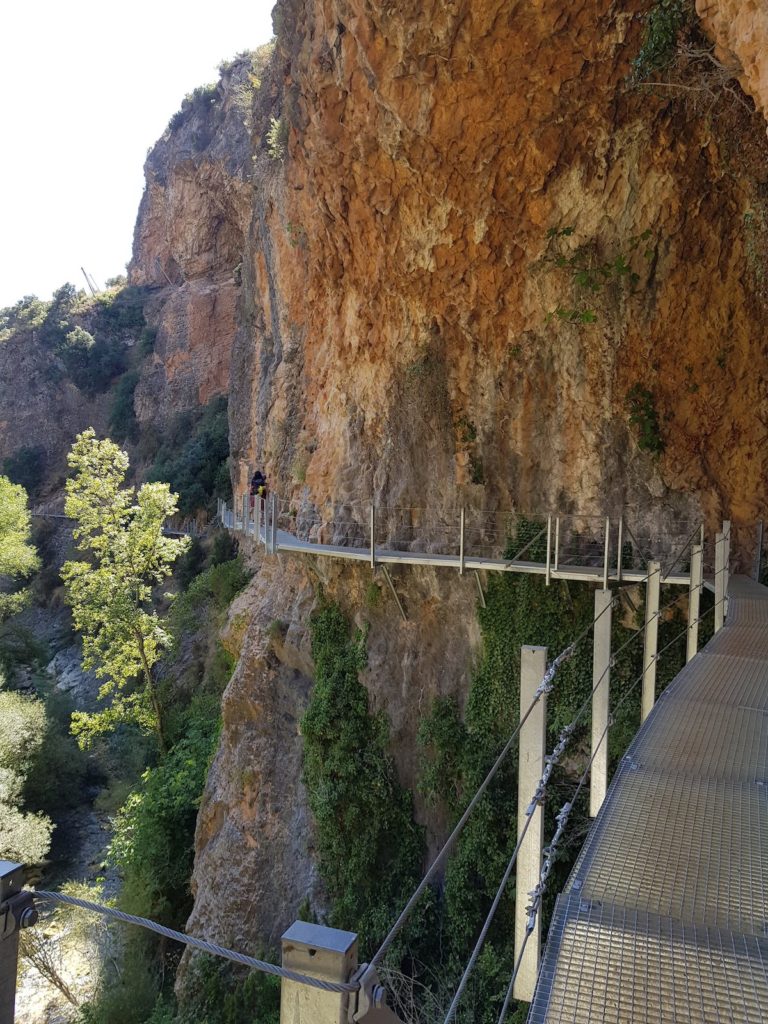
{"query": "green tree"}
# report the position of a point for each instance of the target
(24, 836)
(112, 593)
(18, 558)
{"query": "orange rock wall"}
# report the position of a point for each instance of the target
(400, 284)
(188, 244)
(740, 30)
(394, 342)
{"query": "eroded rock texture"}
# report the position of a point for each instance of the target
(395, 342)
(188, 244)
(740, 30)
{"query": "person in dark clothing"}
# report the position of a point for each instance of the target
(258, 487)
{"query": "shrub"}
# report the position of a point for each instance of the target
(24, 835)
(26, 467)
(663, 26)
(369, 848)
(122, 418)
(153, 840)
(217, 992)
(216, 587)
(224, 547)
(190, 564)
(194, 458)
(277, 138)
(643, 415)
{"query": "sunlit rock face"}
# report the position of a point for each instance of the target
(740, 30)
(188, 245)
(477, 241)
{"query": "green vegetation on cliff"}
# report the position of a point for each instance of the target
(369, 848)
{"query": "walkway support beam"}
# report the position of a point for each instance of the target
(373, 535)
(651, 644)
(694, 600)
(461, 544)
(721, 581)
(533, 738)
(759, 551)
(601, 689)
(320, 952)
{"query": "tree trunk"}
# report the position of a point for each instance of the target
(151, 690)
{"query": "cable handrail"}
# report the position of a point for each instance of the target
(202, 944)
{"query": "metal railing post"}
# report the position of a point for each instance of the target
(601, 689)
(245, 513)
(274, 524)
(549, 550)
(619, 550)
(257, 514)
(17, 910)
(533, 738)
(721, 580)
(651, 644)
(373, 535)
(606, 552)
(461, 545)
(267, 526)
(759, 551)
(694, 600)
(320, 952)
(556, 561)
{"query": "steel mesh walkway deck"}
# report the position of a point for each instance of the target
(665, 915)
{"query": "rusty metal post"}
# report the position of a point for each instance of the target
(320, 952)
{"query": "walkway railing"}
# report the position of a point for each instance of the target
(321, 963)
(580, 547)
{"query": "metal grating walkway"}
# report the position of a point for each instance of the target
(665, 915)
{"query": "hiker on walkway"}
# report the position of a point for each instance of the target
(258, 487)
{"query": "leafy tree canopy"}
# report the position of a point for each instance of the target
(111, 593)
(18, 558)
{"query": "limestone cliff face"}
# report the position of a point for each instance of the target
(39, 406)
(740, 30)
(452, 171)
(189, 240)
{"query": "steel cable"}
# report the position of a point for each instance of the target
(201, 944)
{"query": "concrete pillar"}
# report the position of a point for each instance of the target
(651, 645)
(720, 581)
(601, 689)
(533, 738)
(694, 600)
(319, 952)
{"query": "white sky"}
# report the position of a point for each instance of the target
(86, 88)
